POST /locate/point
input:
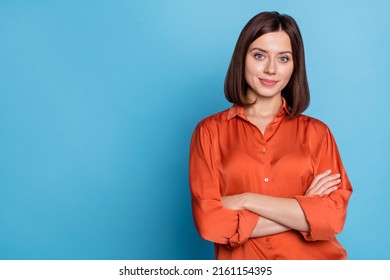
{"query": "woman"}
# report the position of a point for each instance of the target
(267, 182)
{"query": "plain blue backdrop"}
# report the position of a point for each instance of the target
(98, 101)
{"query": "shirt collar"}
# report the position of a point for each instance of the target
(239, 111)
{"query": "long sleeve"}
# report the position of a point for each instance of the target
(326, 215)
(214, 222)
(229, 155)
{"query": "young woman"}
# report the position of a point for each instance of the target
(267, 182)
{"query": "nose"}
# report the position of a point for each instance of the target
(270, 68)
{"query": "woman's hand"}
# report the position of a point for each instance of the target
(323, 184)
(236, 201)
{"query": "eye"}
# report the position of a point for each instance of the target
(284, 59)
(259, 56)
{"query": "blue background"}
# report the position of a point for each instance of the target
(98, 101)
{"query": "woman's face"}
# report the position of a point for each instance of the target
(268, 65)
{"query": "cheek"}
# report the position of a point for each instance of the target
(251, 73)
(285, 77)
(287, 73)
(252, 67)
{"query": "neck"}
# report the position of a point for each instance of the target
(265, 107)
(264, 111)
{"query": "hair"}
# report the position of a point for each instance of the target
(296, 92)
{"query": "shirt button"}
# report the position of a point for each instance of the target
(263, 149)
(266, 180)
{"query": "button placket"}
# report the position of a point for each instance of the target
(266, 157)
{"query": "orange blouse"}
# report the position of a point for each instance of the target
(229, 155)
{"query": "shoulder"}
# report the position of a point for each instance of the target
(214, 121)
(209, 128)
(313, 125)
(311, 121)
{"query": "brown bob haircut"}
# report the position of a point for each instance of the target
(296, 92)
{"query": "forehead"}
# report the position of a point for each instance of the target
(273, 42)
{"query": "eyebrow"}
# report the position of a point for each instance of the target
(262, 50)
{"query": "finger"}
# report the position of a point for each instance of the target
(323, 189)
(328, 182)
(320, 176)
(328, 185)
(323, 184)
(329, 190)
(323, 181)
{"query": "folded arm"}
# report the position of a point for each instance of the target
(281, 214)
(214, 222)
(318, 214)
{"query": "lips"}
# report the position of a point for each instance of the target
(268, 83)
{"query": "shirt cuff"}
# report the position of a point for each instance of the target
(316, 215)
(246, 223)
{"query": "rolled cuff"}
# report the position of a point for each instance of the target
(246, 224)
(316, 215)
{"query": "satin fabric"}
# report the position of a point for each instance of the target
(229, 155)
